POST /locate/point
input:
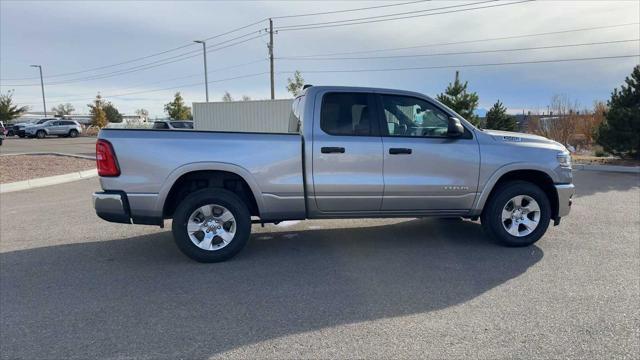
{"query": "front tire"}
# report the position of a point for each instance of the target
(517, 214)
(211, 225)
(41, 134)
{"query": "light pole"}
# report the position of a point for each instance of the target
(44, 104)
(204, 52)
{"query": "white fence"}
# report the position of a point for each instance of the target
(244, 116)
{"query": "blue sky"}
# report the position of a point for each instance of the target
(68, 36)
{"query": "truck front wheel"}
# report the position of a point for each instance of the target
(211, 225)
(517, 214)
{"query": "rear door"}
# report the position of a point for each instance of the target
(423, 168)
(56, 128)
(347, 153)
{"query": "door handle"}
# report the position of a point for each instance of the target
(398, 151)
(332, 149)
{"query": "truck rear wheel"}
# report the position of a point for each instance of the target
(517, 214)
(211, 225)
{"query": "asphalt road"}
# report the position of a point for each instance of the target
(79, 145)
(73, 286)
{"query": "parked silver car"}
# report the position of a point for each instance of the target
(69, 128)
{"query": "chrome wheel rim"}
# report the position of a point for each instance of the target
(520, 215)
(211, 227)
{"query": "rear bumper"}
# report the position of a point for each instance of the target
(112, 206)
(565, 194)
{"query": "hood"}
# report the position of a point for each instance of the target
(508, 136)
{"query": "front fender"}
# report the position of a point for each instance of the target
(481, 199)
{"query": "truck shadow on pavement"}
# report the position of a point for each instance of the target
(140, 297)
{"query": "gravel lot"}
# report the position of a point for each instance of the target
(24, 167)
(79, 145)
(75, 287)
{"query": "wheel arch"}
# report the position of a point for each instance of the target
(533, 174)
(196, 176)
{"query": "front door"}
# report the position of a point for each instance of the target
(347, 153)
(423, 168)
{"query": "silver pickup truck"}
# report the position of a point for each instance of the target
(352, 153)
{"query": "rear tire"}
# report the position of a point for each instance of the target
(517, 214)
(187, 241)
(73, 133)
(41, 134)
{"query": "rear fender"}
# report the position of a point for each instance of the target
(210, 166)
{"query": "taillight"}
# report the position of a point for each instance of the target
(106, 159)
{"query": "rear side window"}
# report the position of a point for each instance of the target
(68, 123)
(160, 125)
(182, 124)
(347, 114)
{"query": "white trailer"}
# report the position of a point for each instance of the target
(244, 116)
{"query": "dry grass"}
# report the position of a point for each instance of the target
(594, 160)
(25, 167)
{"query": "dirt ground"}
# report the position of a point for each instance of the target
(25, 167)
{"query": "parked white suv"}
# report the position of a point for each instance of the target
(69, 128)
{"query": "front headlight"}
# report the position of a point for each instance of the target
(564, 159)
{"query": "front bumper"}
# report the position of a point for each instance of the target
(565, 194)
(112, 206)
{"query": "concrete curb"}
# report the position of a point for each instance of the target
(46, 181)
(608, 168)
(53, 153)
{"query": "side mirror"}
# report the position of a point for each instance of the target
(455, 128)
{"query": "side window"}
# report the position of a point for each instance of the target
(408, 116)
(160, 125)
(346, 114)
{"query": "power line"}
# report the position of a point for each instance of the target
(175, 87)
(331, 24)
(143, 67)
(179, 77)
(462, 65)
(348, 10)
(469, 41)
(383, 16)
(459, 52)
(139, 58)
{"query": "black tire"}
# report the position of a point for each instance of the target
(21, 136)
(492, 214)
(41, 134)
(211, 196)
(73, 133)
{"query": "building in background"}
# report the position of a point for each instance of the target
(243, 116)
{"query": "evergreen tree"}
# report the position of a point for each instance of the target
(9, 110)
(113, 115)
(619, 134)
(498, 119)
(98, 116)
(457, 98)
(177, 110)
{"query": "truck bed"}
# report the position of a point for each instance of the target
(152, 160)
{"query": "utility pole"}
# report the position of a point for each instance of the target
(271, 57)
(44, 104)
(206, 80)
